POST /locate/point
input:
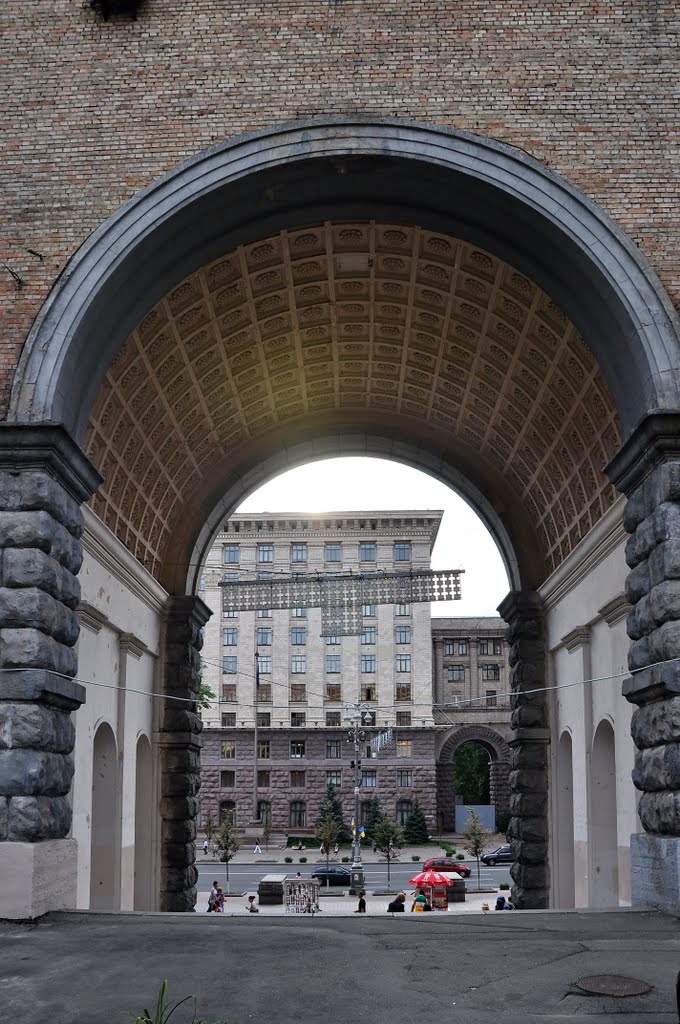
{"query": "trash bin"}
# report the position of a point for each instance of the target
(270, 890)
(456, 890)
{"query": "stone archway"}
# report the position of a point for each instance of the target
(105, 841)
(499, 769)
(531, 247)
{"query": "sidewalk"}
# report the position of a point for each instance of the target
(277, 855)
(344, 906)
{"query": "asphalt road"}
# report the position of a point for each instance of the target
(243, 877)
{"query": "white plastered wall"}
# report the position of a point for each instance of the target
(118, 653)
(588, 648)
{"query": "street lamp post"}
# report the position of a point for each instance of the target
(355, 714)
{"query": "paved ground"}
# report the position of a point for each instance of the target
(510, 968)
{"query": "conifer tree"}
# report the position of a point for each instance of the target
(373, 818)
(332, 800)
(416, 831)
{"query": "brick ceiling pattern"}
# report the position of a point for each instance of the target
(366, 316)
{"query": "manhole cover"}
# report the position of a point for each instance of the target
(616, 985)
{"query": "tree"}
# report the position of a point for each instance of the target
(471, 773)
(327, 831)
(227, 843)
(373, 818)
(415, 828)
(333, 799)
(209, 825)
(205, 696)
(476, 839)
(387, 837)
(266, 827)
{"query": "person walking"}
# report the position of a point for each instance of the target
(257, 846)
(205, 847)
(336, 850)
(212, 897)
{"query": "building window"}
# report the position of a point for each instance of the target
(298, 719)
(404, 808)
(491, 698)
(298, 552)
(333, 749)
(265, 661)
(367, 552)
(402, 551)
(298, 693)
(368, 611)
(491, 673)
(230, 664)
(227, 780)
(332, 640)
(403, 662)
(231, 554)
(265, 553)
(230, 637)
(264, 810)
(368, 693)
(455, 673)
(456, 695)
(264, 750)
(490, 646)
(264, 636)
(405, 777)
(333, 691)
(264, 690)
(299, 613)
(333, 552)
(297, 780)
(333, 718)
(228, 719)
(263, 779)
(227, 812)
(228, 750)
(403, 717)
(368, 635)
(368, 662)
(449, 647)
(369, 779)
(403, 693)
(264, 613)
(333, 662)
(402, 609)
(264, 719)
(298, 636)
(298, 663)
(463, 649)
(298, 814)
(229, 613)
(334, 777)
(404, 748)
(297, 748)
(229, 692)
(402, 635)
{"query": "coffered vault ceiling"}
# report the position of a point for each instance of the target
(382, 319)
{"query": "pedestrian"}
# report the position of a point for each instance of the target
(251, 908)
(503, 904)
(211, 897)
(257, 846)
(419, 901)
(361, 908)
(397, 904)
(322, 850)
(299, 874)
(336, 850)
(205, 847)
(218, 906)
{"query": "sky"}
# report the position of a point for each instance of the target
(366, 484)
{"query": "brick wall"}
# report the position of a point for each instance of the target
(99, 110)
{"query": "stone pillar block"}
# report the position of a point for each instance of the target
(655, 872)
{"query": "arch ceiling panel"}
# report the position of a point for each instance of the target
(388, 319)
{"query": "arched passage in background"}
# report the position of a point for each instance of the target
(144, 820)
(564, 817)
(498, 753)
(105, 848)
(604, 881)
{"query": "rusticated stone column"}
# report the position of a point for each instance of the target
(647, 470)
(44, 478)
(181, 752)
(528, 830)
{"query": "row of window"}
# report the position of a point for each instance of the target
(298, 693)
(298, 749)
(264, 636)
(298, 663)
(332, 718)
(489, 673)
(490, 698)
(367, 610)
(462, 647)
(298, 779)
(332, 552)
(297, 814)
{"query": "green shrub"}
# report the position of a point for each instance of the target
(288, 860)
(504, 885)
(303, 860)
(345, 860)
(448, 849)
(415, 857)
(460, 856)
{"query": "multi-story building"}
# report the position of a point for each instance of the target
(306, 679)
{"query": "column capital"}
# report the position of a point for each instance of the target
(49, 448)
(655, 440)
(187, 608)
(521, 604)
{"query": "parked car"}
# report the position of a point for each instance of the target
(446, 864)
(503, 855)
(334, 874)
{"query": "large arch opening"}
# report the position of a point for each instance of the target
(485, 771)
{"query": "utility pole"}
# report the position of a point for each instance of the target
(256, 697)
(356, 714)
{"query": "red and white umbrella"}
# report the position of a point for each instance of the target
(429, 879)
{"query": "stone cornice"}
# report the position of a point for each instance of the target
(131, 644)
(655, 440)
(91, 617)
(615, 610)
(578, 637)
(48, 447)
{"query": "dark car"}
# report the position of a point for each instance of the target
(445, 864)
(334, 874)
(503, 855)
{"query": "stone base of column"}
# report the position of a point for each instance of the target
(38, 878)
(655, 872)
